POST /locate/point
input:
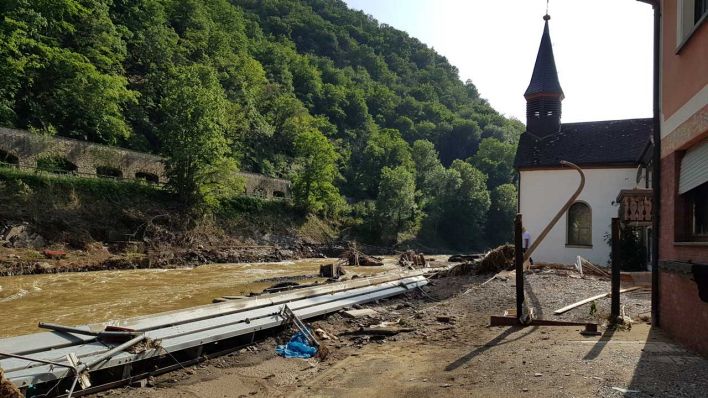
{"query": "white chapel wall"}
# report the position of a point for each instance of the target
(543, 193)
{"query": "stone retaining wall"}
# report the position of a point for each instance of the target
(25, 149)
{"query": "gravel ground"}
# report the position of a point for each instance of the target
(453, 352)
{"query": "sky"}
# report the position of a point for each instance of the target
(603, 49)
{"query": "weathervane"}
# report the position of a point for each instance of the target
(546, 17)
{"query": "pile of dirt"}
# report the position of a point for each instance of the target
(7, 389)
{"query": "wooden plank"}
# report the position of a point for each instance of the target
(589, 299)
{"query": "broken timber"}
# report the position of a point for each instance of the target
(589, 299)
(187, 330)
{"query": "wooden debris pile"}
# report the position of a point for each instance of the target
(586, 267)
(412, 259)
(352, 256)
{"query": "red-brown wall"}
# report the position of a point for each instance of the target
(683, 73)
(683, 316)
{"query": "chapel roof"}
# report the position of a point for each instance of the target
(601, 143)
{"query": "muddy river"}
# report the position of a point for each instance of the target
(88, 297)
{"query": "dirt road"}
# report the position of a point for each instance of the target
(453, 353)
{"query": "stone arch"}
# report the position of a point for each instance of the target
(108, 172)
(8, 159)
(260, 192)
(149, 177)
(56, 164)
(279, 194)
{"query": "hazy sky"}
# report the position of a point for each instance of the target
(603, 49)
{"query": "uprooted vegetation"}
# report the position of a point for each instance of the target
(495, 260)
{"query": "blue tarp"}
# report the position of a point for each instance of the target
(297, 347)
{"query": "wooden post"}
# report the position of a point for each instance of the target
(615, 307)
(519, 263)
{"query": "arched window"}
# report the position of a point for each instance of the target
(580, 224)
(108, 172)
(8, 159)
(56, 164)
(149, 177)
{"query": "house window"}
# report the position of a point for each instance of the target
(699, 10)
(692, 202)
(698, 208)
(691, 14)
(579, 225)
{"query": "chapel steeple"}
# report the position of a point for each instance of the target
(544, 94)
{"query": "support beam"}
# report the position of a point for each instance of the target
(519, 263)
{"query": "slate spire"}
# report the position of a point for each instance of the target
(544, 93)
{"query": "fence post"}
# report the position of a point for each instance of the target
(615, 308)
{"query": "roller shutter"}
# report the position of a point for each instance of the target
(694, 168)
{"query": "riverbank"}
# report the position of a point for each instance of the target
(449, 350)
(54, 223)
(96, 257)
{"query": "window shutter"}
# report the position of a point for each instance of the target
(694, 168)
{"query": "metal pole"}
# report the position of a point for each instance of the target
(656, 171)
(615, 308)
(63, 365)
(112, 352)
(519, 263)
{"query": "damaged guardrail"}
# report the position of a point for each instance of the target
(35, 356)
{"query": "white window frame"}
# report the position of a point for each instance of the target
(685, 27)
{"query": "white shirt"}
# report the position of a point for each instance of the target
(526, 239)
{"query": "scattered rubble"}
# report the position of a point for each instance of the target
(352, 256)
(332, 271)
(20, 236)
(412, 259)
(356, 314)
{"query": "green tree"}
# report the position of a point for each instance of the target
(396, 210)
(313, 183)
(496, 160)
(429, 172)
(460, 211)
(500, 220)
(385, 148)
(193, 137)
(61, 68)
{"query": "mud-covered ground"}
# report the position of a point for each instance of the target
(451, 351)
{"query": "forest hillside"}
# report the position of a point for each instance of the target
(374, 128)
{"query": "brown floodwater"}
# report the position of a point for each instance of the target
(88, 297)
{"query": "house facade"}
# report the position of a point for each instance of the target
(612, 155)
(683, 216)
